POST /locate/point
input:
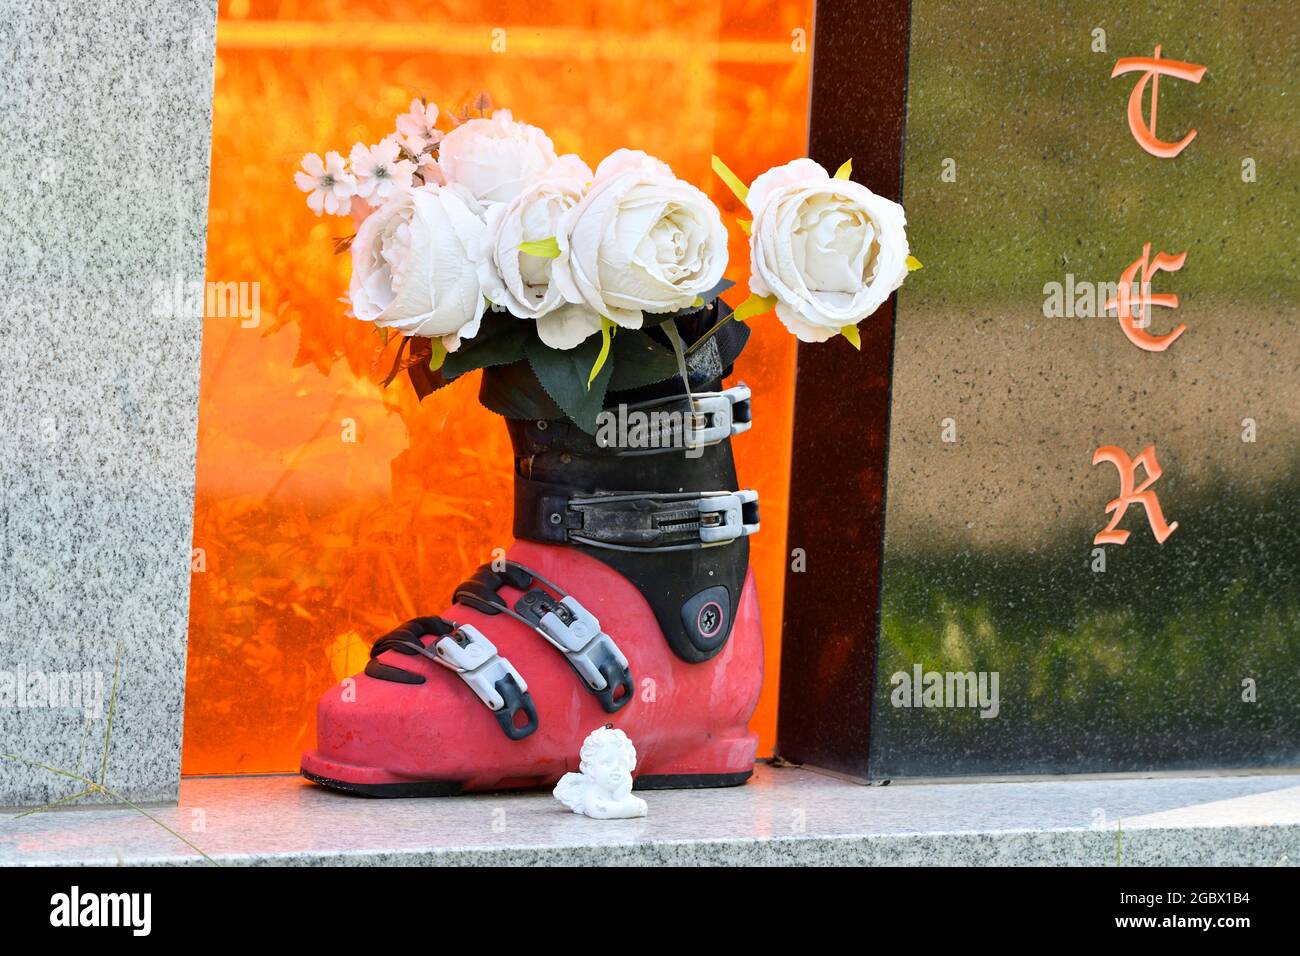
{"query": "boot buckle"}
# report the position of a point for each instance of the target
(577, 634)
(718, 416)
(492, 678)
(724, 518)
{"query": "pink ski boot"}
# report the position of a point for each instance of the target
(627, 599)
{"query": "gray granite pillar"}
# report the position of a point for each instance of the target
(105, 125)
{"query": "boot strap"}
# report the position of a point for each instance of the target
(492, 678)
(633, 520)
(559, 618)
(464, 650)
(661, 425)
(692, 421)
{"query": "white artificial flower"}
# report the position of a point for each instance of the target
(413, 266)
(830, 250)
(360, 211)
(418, 128)
(640, 240)
(379, 171)
(632, 160)
(495, 158)
(412, 146)
(468, 198)
(519, 281)
(430, 171)
(329, 184)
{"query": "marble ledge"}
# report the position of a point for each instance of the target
(783, 817)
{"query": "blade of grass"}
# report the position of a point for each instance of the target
(112, 707)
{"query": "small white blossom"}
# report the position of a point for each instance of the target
(329, 185)
(418, 128)
(379, 171)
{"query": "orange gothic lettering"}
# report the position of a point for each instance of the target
(1135, 313)
(1128, 494)
(1152, 68)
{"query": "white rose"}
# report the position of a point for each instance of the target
(632, 160)
(413, 268)
(520, 282)
(830, 250)
(495, 158)
(640, 240)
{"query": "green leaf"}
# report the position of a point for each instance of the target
(548, 248)
(437, 354)
(513, 391)
(679, 352)
(731, 179)
(639, 360)
(498, 342)
(754, 305)
(607, 330)
(563, 373)
(846, 170)
(850, 332)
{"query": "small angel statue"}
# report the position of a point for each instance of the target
(602, 789)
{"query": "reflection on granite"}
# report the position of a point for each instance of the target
(105, 117)
(785, 816)
(1111, 657)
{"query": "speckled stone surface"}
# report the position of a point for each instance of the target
(1022, 180)
(784, 816)
(105, 117)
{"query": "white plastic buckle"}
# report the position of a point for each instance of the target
(579, 638)
(722, 517)
(467, 652)
(714, 419)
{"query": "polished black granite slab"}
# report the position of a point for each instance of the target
(1028, 188)
(1004, 404)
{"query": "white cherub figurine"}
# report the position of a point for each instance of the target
(602, 789)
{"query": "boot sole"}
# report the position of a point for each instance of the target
(416, 788)
(452, 788)
(690, 781)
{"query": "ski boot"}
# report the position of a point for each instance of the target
(626, 600)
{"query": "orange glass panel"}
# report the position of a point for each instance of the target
(329, 508)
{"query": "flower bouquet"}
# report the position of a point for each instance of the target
(485, 249)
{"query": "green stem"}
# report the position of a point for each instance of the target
(54, 803)
(112, 708)
(709, 334)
